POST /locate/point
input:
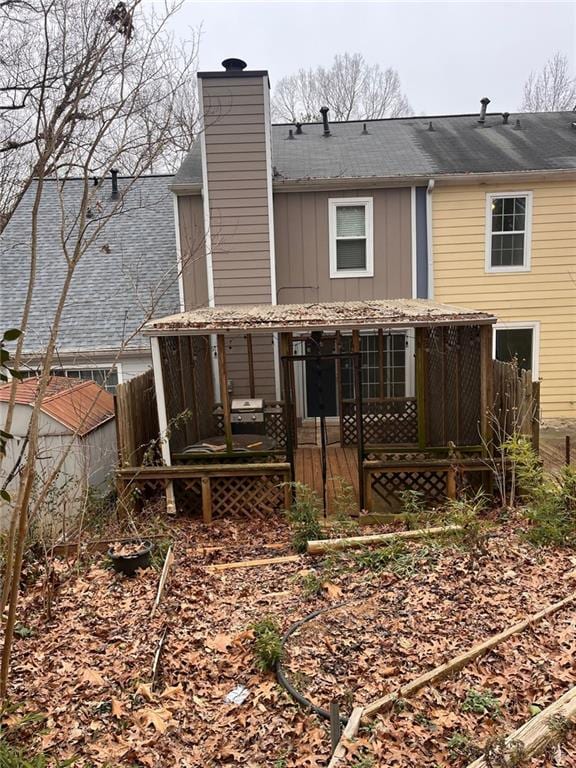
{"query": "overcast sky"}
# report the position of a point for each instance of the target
(448, 55)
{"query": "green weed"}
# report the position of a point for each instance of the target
(481, 703)
(267, 643)
(461, 747)
(16, 757)
(311, 584)
(303, 517)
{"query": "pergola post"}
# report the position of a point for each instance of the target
(486, 387)
(420, 374)
(162, 420)
(223, 378)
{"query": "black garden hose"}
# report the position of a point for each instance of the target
(281, 675)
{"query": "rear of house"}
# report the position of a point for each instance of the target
(384, 209)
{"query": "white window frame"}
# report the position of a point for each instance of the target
(534, 326)
(368, 203)
(526, 266)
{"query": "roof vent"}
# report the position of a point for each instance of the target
(505, 117)
(324, 113)
(298, 128)
(114, 173)
(290, 133)
(364, 130)
(484, 102)
(234, 65)
(430, 126)
(518, 126)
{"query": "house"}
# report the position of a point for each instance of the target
(127, 274)
(473, 210)
(77, 438)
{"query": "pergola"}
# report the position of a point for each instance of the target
(397, 439)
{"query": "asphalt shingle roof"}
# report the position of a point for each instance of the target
(406, 147)
(129, 271)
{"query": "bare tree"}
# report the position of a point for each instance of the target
(350, 87)
(103, 87)
(552, 89)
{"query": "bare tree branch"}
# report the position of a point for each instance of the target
(350, 87)
(552, 89)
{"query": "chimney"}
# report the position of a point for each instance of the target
(484, 102)
(324, 113)
(237, 184)
(114, 173)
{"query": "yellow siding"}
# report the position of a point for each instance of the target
(546, 294)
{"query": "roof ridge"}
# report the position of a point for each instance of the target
(66, 390)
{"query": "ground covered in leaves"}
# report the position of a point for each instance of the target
(82, 685)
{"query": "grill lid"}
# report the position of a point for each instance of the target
(247, 405)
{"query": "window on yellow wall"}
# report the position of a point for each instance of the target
(519, 342)
(508, 231)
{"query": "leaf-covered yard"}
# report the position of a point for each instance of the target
(81, 681)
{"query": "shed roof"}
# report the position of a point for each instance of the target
(344, 315)
(129, 272)
(405, 147)
(79, 406)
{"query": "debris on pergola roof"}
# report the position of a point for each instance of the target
(344, 315)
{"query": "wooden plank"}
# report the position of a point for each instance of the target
(169, 559)
(420, 373)
(321, 546)
(250, 353)
(349, 732)
(206, 500)
(448, 668)
(254, 563)
(536, 735)
(67, 548)
(196, 470)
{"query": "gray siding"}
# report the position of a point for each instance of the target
(193, 252)
(302, 248)
(235, 144)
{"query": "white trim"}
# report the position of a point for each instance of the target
(206, 201)
(179, 265)
(526, 266)
(162, 418)
(119, 373)
(271, 231)
(534, 326)
(368, 203)
(430, 249)
(413, 242)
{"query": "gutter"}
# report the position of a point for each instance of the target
(364, 182)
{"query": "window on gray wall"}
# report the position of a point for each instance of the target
(351, 237)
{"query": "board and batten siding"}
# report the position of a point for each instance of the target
(547, 293)
(303, 246)
(237, 182)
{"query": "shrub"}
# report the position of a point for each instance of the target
(311, 584)
(303, 517)
(467, 512)
(267, 643)
(461, 747)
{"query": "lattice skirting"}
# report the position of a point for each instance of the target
(386, 486)
(240, 497)
(387, 422)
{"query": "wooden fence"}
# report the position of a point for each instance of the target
(136, 419)
(516, 403)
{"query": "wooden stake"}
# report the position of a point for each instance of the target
(538, 733)
(157, 655)
(168, 560)
(350, 731)
(321, 546)
(335, 726)
(206, 500)
(445, 670)
(253, 563)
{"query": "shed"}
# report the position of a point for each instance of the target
(76, 429)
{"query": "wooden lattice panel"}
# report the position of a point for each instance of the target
(387, 487)
(250, 497)
(188, 495)
(384, 422)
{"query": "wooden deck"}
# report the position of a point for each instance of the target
(342, 464)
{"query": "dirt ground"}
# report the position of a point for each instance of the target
(83, 676)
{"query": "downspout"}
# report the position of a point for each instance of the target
(429, 190)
